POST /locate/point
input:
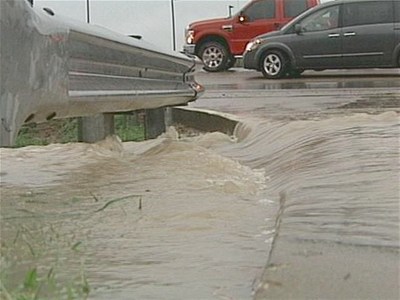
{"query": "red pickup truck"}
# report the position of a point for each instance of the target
(218, 42)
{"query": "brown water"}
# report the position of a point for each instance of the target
(340, 176)
(193, 218)
(200, 232)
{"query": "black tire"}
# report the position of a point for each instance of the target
(231, 62)
(214, 56)
(294, 73)
(273, 64)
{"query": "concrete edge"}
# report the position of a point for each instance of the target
(204, 120)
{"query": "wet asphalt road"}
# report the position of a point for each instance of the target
(238, 78)
(243, 92)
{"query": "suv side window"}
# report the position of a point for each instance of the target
(264, 9)
(323, 19)
(397, 11)
(377, 12)
(294, 7)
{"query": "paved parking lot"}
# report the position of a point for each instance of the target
(242, 92)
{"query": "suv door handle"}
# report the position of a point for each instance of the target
(349, 34)
(334, 35)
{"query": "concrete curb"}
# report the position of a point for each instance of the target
(204, 120)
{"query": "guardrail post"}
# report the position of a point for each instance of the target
(154, 124)
(168, 117)
(5, 134)
(95, 128)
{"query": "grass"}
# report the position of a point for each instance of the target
(26, 273)
(129, 127)
(37, 286)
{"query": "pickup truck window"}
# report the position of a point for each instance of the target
(294, 7)
(263, 9)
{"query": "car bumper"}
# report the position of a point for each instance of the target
(189, 49)
(250, 61)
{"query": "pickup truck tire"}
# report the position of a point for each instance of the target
(214, 56)
(273, 64)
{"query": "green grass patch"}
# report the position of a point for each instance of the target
(129, 127)
(36, 264)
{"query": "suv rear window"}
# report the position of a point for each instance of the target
(294, 7)
(397, 11)
(365, 13)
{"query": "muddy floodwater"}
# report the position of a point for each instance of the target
(193, 217)
(155, 220)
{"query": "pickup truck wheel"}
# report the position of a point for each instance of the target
(214, 56)
(273, 64)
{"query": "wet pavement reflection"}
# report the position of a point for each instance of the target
(238, 79)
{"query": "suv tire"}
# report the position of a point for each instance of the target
(230, 63)
(214, 56)
(273, 64)
(294, 73)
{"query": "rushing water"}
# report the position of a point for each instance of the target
(193, 217)
(200, 232)
(340, 176)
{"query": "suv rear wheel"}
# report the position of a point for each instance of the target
(214, 56)
(294, 73)
(273, 64)
(230, 63)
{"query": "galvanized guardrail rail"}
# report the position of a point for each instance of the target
(53, 67)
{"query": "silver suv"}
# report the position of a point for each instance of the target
(342, 34)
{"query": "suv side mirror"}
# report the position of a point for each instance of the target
(298, 29)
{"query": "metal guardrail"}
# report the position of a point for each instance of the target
(53, 67)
